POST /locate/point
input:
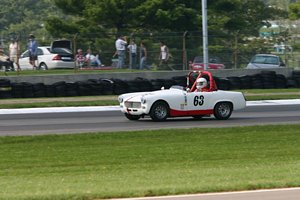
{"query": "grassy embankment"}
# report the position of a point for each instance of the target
(147, 163)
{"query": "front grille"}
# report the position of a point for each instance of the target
(133, 104)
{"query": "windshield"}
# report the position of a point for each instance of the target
(266, 60)
(199, 59)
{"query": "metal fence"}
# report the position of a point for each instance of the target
(234, 52)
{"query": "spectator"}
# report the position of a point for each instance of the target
(98, 58)
(91, 59)
(80, 59)
(143, 54)
(164, 55)
(5, 61)
(14, 53)
(32, 47)
(121, 43)
(132, 54)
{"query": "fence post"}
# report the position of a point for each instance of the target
(184, 56)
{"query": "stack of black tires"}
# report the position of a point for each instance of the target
(94, 87)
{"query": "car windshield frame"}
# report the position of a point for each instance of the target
(199, 59)
(266, 59)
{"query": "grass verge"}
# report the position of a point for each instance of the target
(149, 163)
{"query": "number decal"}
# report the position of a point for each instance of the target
(199, 100)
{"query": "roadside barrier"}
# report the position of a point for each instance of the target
(94, 87)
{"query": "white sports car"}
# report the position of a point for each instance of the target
(179, 101)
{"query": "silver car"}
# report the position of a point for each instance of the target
(263, 61)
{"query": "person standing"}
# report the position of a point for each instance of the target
(32, 47)
(132, 54)
(14, 52)
(164, 55)
(143, 54)
(121, 43)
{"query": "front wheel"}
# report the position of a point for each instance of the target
(132, 117)
(159, 111)
(223, 110)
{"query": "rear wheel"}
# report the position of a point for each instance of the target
(43, 66)
(159, 111)
(223, 110)
(132, 117)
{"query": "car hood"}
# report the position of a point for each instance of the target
(260, 66)
(136, 96)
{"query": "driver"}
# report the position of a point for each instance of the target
(201, 85)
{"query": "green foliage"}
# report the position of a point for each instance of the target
(294, 13)
(59, 28)
(95, 24)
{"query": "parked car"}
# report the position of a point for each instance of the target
(57, 56)
(214, 63)
(179, 101)
(263, 61)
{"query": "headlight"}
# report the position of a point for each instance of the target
(143, 100)
(120, 99)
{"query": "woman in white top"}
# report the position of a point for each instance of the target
(14, 52)
(164, 56)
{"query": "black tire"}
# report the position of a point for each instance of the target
(43, 66)
(132, 117)
(223, 110)
(159, 111)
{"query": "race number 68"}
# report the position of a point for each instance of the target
(198, 100)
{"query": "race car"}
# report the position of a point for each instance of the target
(200, 98)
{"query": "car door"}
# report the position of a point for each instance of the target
(199, 101)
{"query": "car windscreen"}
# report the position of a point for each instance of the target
(62, 51)
(199, 59)
(265, 60)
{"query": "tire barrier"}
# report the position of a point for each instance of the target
(94, 87)
(5, 89)
(296, 78)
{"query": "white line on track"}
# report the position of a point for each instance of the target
(115, 108)
(213, 194)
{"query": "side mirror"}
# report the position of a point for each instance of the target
(282, 64)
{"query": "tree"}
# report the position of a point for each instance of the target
(134, 15)
(18, 18)
(294, 11)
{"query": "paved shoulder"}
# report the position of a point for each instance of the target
(272, 194)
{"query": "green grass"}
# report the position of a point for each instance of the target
(270, 91)
(56, 103)
(271, 94)
(147, 163)
(272, 97)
